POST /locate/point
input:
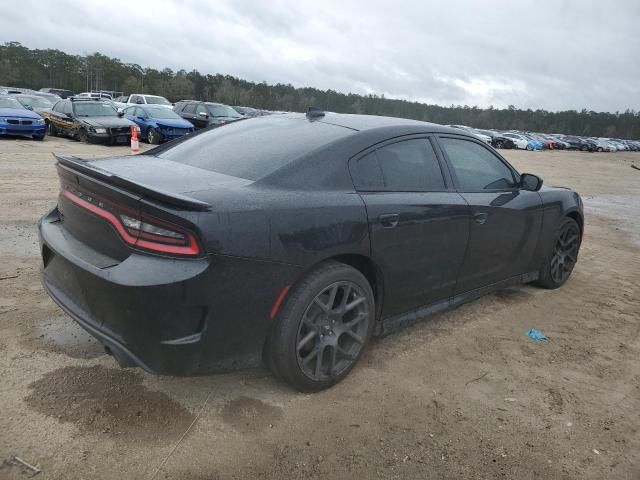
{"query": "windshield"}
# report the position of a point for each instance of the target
(37, 102)
(94, 110)
(161, 112)
(157, 101)
(223, 111)
(6, 102)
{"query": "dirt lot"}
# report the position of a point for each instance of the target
(461, 395)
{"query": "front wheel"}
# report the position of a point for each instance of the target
(559, 263)
(153, 137)
(499, 144)
(82, 136)
(322, 328)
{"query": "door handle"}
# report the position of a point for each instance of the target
(389, 220)
(480, 217)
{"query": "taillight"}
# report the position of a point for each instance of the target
(144, 232)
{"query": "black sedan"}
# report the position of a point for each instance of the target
(89, 120)
(294, 238)
(498, 140)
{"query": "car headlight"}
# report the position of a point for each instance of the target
(39, 121)
(3, 120)
(100, 130)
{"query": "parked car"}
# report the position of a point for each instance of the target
(89, 120)
(158, 123)
(533, 143)
(144, 99)
(34, 102)
(498, 140)
(519, 140)
(98, 95)
(61, 92)
(576, 143)
(485, 138)
(294, 237)
(247, 111)
(206, 114)
(15, 119)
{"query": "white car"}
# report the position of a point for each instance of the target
(144, 99)
(485, 138)
(519, 141)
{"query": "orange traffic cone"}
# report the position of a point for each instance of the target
(135, 144)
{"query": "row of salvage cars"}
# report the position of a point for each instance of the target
(546, 141)
(90, 117)
(96, 117)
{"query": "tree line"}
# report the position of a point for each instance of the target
(21, 66)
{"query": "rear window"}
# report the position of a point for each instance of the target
(252, 149)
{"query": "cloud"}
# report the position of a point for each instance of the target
(544, 54)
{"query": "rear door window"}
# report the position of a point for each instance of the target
(190, 108)
(409, 165)
(201, 109)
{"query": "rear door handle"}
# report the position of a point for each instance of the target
(389, 220)
(480, 217)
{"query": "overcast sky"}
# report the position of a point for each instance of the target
(550, 54)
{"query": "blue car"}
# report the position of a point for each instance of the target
(158, 123)
(534, 143)
(15, 119)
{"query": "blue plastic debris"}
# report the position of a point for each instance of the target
(536, 335)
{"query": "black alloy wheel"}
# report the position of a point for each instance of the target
(333, 330)
(82, 135)
(560, 263)
(322, 328)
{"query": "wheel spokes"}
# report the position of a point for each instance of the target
(308, 337)
(335, 320)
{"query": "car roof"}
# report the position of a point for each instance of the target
(369, 122)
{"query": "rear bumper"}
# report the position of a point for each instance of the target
(167, 316)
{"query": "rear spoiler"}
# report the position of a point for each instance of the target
(176, 199)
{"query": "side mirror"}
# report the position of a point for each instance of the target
(531, 182)
(203, 115)
(29, 107)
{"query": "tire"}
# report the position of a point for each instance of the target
(82, 136)
(53, 131)
(499, 144)
(600, 149)
(584, 148)
(555, 270)
(319, 334)
(529, 147)
(153, 137)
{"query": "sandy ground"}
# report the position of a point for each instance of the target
(461, 395)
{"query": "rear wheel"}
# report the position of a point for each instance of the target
(499, 144)
(529, 147)
(322, 329)
(559, 263)
(584, 148)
